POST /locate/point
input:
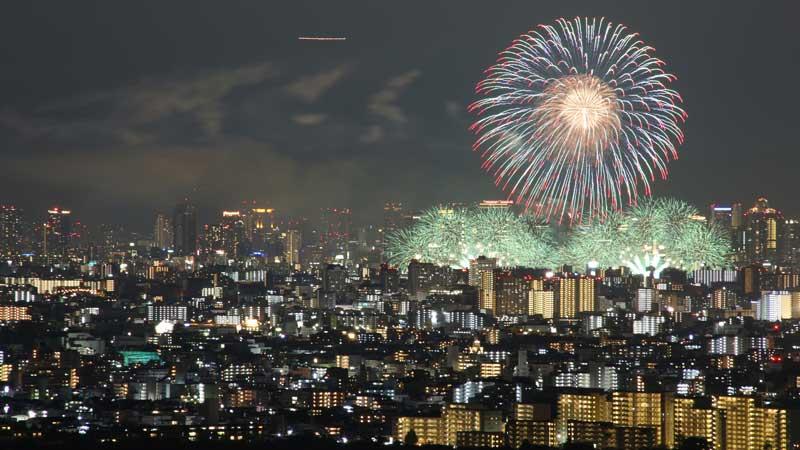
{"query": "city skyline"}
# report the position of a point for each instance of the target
(302, 125)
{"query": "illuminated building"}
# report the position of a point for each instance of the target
(645, 297)
(774, 306)
(479, 265)
(233, 234)
(58, 234)
(425, 277)
(601, 434)
(158, 313)
(486, 292)
(10, 230)
(162, 232)
(459, 417)
(291, 247)
(534, 432)
(14, 313)
(692, 421)
(644, 409)
(589, 407)
(575, 294)
(184, 234)
(542, 303)
(496, 204)
(511, 294)
(474, 439)
(429, 430)
(747, 426)
(762, 228)
(648, 324)
(321, 400)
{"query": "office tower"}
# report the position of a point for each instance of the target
(486, 292)
(645, 297)
(479, 265)
(184, 224)
(234, 242)
(162, 232)
(644, 409)
(335, 231)
(10, 230)
(575, 294)
(542, 303)
(58, 234)
(259, 223)
(511, 293)
(762, 228)
(291, 247)
(747, 426)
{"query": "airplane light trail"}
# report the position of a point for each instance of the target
(321, 38)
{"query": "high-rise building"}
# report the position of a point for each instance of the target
(10, 230)
(291, 247)
(542, 302)
(644, 409)
(479, 265)
(588, 407)
(259, 223)
(645, 297)
(763, 227)
(234, 241)
(511, 293)
(748, 426)
(575, 294)
(393, 220)
(58, 234)
(162, 232)
(774, 306)
(184, 223)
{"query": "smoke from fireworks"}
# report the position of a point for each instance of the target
(575, 118)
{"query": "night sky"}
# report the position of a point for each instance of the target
(120, 109)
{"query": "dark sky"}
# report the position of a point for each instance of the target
(119, 109)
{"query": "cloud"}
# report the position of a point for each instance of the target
(384, 102)
(311, 88)
(372, 134)
(309, 119)
(132, 114)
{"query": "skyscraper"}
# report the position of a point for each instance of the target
(184, 225)
(762, 227)
(291, 247)
(234, 241)
(57, 234)
(10, 230)
(575, 294)
(162, 232)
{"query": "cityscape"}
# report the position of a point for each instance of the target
(581, 287)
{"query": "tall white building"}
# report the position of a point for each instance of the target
(774, 306)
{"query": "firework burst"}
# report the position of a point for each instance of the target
(575, 118)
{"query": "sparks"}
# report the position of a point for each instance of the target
(576, 118)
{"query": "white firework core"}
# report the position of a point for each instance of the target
(580, 111)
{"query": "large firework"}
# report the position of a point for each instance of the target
(575, 118)
(653, 235)
(454, 236)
